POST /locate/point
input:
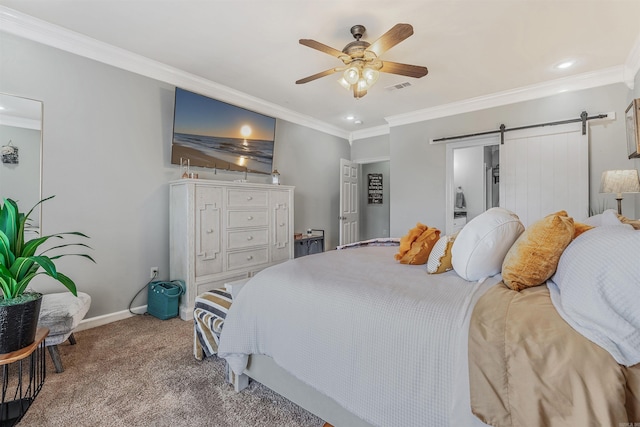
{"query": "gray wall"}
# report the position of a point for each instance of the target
(418, 168)
(310, 160)
(375, 147)
(106, 157)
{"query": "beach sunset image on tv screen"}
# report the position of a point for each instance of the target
(213, 134)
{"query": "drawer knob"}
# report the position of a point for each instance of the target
(209, 231)
(249, 198)
(282, 224)
(249, 218)
(250, 257)
(249, 237)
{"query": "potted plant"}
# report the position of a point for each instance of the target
(19, 264)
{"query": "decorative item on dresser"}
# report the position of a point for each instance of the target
(222, 231)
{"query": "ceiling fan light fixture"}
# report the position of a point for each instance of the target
(362, 59)
(362, 85)
(357, 94)
(351, 75)
(370, 75)
(345, 84)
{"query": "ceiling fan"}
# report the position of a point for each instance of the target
(362, 64)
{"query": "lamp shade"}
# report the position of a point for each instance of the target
(351, 75)
(370, 75)
(620, 181)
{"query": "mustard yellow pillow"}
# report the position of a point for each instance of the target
(421, 248)
(534, 256)
(635, 223)
(440, 256)
(407, 240)
(580, 228)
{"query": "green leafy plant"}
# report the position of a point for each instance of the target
(19, 263)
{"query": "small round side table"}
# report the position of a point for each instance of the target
(23, 374)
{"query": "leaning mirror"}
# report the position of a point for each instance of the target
(21, 154)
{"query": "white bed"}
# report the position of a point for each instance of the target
(530, 328)
(386, 341)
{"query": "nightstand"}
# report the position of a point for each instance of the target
(23, 374)
(309, 244)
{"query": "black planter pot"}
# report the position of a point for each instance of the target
(18, 323)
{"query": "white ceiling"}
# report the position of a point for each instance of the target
(474, 49)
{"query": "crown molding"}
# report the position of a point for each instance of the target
(28, 27)
(578, 82)
(370, 132)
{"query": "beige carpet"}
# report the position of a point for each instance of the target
(141, 372)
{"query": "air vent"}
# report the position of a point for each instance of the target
(398, 86)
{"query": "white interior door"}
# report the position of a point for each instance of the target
(544, 170)
(348, 202)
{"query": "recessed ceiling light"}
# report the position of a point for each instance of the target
(358, 122)
(350, 117)
(565, 64)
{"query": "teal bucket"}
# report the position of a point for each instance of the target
(163, 298)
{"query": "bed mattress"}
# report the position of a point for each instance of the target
(386, 341)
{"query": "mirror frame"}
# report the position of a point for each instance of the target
(28, 123)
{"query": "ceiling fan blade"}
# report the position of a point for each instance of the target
(317, 76)
(322, 47)
(395, 35)
(403, 69)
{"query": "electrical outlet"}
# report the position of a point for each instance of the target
(154, 272)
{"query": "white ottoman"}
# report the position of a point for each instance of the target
(61, 313)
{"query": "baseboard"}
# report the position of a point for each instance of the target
(93, 322)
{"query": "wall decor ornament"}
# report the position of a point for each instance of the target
(9, 153)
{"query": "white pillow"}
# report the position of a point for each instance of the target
(596, 289)
(483, 243)
(438, 254)
(608, 217)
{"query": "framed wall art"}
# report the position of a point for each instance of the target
(9, 153)
(375, 188)
(632, 122)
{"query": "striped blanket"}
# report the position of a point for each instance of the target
(208, 316)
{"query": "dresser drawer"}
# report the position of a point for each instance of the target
(249, 218)
(247, 198)
(242, 259)
(247, 238)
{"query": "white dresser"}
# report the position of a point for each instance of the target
(223, 231)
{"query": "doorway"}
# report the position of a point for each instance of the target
(371, 209)
(375, 209)
(472, 180)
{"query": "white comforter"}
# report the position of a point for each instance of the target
(387, 341)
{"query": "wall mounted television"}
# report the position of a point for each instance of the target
(214, 134)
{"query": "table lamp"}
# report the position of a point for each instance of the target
(618, 182)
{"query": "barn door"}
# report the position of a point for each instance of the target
(544, 170)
